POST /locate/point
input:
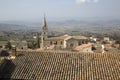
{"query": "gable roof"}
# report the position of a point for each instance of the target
(66, 37)
(82, 46)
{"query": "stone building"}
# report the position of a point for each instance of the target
(59, 42)
(106, 39)
(22, 45)
(76, 41)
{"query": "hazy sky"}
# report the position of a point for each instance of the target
(56, 9)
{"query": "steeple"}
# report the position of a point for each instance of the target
(44, 34)
(44, 22)
(44, 29)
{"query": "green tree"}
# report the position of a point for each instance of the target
(32, 44)
(118, 42)
(8, 45)
(38, 41)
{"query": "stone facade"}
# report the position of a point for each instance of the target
(58, 44)
(72, 43)
(22, 45)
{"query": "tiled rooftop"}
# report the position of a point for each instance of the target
(83, 46)
(66, 66)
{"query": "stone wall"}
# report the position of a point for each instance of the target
(58, 44)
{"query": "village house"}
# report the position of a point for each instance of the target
(22, 45)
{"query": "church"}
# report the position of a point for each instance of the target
(60, 42)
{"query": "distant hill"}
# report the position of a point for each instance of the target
(9, 27)
(11, 30)
(96, 26)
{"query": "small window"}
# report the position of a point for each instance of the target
(50, 42)
(61, 42)
(55, 43)
(82, 42)
(71, 45)
(79, 43)
(44, 33)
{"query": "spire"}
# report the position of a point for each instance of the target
(44, 28)
(44, 21)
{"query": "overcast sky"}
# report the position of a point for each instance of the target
(57, 9)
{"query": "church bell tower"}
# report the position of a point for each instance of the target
(44, 29)
(44, 34)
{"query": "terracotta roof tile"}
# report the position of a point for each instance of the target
(83, 46)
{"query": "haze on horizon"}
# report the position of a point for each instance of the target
(58, 9)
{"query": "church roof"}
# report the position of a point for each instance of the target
(79, 37)
(66, 37)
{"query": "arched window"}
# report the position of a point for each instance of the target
(79, 42)
(44, 33)
(61, 42)
(83, 42)
(55, 43)
(71, 45)
(50, 42)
